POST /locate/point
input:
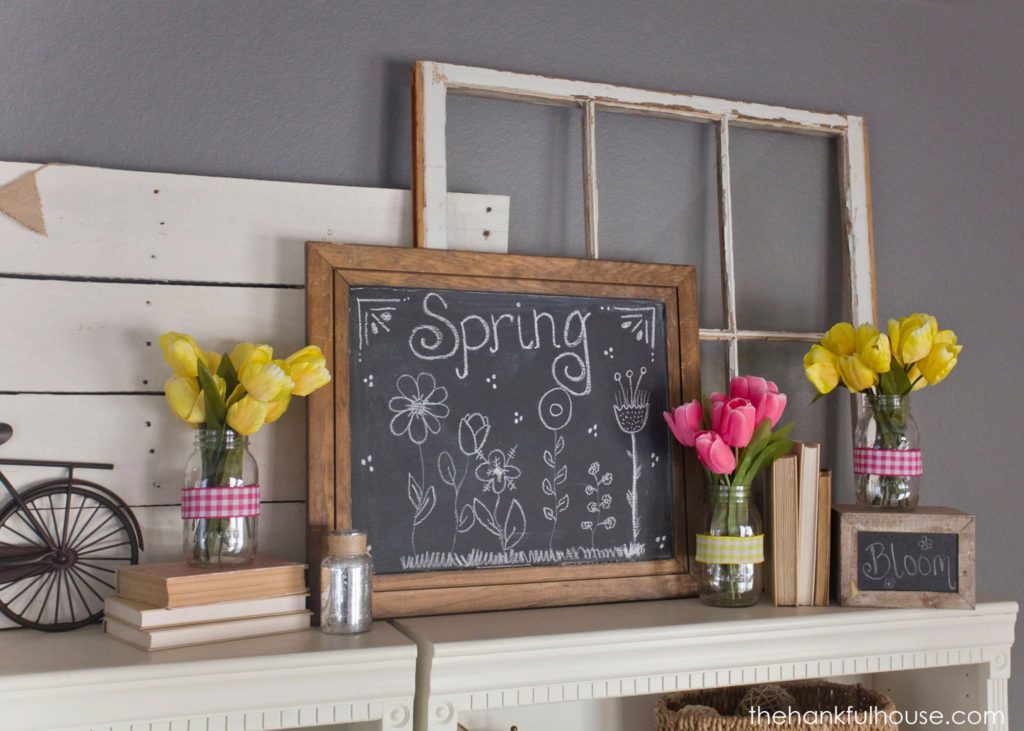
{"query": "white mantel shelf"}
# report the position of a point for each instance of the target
(496, 660)
(517, 658)
(84, 680)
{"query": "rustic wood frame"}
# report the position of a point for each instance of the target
(849, 520)
(331, 268)
(433, 81)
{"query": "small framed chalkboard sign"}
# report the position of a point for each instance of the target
(495, 425)
(891, 559)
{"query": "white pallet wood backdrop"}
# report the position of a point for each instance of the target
(130, 255)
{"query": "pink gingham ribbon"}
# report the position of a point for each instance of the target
(220, 502)
(890, 462)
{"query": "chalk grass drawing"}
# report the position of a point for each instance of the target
(631, 406)
(477, 558)
(640, 321)
(374, 316)
(598, 501)
(419, 410)
(555, 410)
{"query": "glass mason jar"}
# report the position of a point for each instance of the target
(730, 548)
(221, 459)
(887, 454)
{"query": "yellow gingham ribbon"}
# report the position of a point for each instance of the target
(730, 549)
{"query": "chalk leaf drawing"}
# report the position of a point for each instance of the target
(632, 404)
(374, 316)
(641, 322)
(555, 411)
(419, 410)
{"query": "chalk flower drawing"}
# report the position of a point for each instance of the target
(474, 429)
(632, 404)
(497, 472)
(555, 410)
(598, 501)
(419, 410)
(419, 407)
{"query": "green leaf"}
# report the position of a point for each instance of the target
(768, 455)
(226, 370)
(900, 380)
(762, 433)
(216, 410)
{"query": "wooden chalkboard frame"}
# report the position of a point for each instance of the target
(332, 268)
(849, 520)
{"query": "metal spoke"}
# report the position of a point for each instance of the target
(73, 578)
(56, 601)
(96, 578)
(50, 541)
(71, 599)
(42, 606)
(104, 548)
(99, 541)
(25, 588)
(74, 525)
(85, 581)
(98, 568)
(67, 513)
(53, 517)
(95, 509)
(23, 536)
(81, 542)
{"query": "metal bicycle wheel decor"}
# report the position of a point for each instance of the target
(61, 543)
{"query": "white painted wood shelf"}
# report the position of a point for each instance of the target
(502, 660)
(85, 680)
(463, 665)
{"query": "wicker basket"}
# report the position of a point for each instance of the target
(809, 695)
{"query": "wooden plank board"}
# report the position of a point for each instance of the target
(160, 226)
(146, 443)
(101, 336)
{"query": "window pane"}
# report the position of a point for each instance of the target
(529, 152)
(658, 198)
(826, 422)
(787, 230)
(714, 367)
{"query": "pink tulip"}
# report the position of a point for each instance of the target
(685, 422)
(764, 395)
(747, 386)
(714, 453)
(717, 396)
(734, 421)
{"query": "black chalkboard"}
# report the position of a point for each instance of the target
(897, 561)
(493, 429)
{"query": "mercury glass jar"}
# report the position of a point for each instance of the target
(730, 548)
(346, 575)
(221, 500)
(887, 454)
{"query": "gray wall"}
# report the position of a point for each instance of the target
(318, 92)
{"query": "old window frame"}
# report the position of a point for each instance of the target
(433, 81)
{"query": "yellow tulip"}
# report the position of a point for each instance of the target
(919, 381)
(308, 369)
(244, 352)
(247, 416)
(181, 352)
(277, 407)
(941, 359)
(911, 337)
(185, 399)
(840, 339)
(873, 348)
(264, 381)
(821, 367)
(855, 374)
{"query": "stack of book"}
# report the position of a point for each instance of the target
(159, 606)
(798, 507)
